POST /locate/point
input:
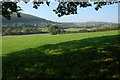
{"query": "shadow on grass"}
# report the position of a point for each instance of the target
(87, 59)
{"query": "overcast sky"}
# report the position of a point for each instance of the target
(108, 13)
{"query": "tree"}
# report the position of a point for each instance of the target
(8, 31)
(54, 30)
(64, 8)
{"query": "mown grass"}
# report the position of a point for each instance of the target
(17, 43)
(92, 58)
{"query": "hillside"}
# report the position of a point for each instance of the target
(30, 19)
(26, 18)
(30, 24)
(87, 25)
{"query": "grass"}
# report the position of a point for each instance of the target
(72, 29)
(21, 42)
(86, 56)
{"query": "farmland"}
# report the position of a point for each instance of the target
(92, 55)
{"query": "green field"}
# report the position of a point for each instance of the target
(17, 43)
(72, 29)
(84, 56)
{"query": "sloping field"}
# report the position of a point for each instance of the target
(21, 42)
(86, 56)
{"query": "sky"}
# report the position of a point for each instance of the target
(108, 13)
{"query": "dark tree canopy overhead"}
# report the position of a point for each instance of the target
(64, 8)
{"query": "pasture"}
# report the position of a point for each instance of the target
(21, 42)
(84, 56)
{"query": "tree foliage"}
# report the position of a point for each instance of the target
(54, 30)
(64, 8)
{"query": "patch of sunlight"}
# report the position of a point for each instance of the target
(18, 77)
(107, 59)
(100, 48)
(103, 70)
(29, 69)
(87, 47)
(51, 52)
(107, 43)
(116, 76)
(102, 51)
(117, 62)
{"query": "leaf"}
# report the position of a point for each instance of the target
(48, 3)
(35, 7)
(18, 15)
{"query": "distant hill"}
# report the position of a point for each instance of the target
(87, 25)
(31, 20)
(26, 18)
(30, 24)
